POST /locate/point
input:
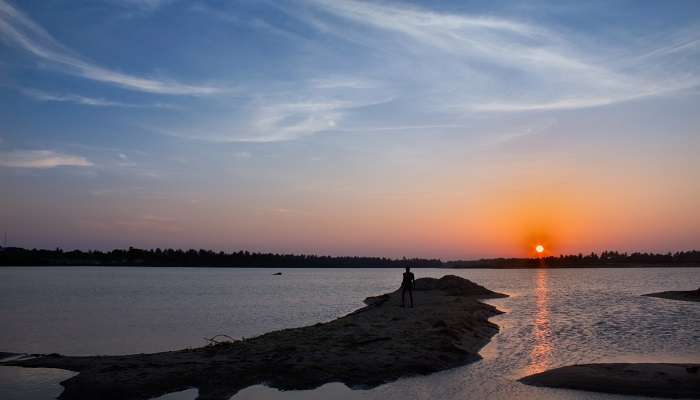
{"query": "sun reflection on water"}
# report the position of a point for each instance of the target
(540, 355)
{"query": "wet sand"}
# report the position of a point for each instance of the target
(683, 295)
(642, 379)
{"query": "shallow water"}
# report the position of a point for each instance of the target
(553, 317)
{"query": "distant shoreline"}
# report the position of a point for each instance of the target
(155, 258)
(344, 267)
(603, 266)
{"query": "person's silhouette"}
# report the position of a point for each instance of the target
(407, 285)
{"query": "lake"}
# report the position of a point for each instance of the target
(553, 317)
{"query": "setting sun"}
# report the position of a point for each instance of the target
(487, 177)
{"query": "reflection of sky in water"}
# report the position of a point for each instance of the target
(553, 317)
(34, 383)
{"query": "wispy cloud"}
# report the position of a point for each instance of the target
(271, 122)
(234, 18)
(41, 159)
(142, 5)
(20, 30)
(537, 67)
(277, 119)
(41, 95)
(347, 82)
(389, 128)
(280, 122)
(588, 102)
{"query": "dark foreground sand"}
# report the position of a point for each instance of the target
(373, 345)
(655, 380)
(687, 295)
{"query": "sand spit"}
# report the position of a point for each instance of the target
(687, 295)
(645, 379)
(7, 355)
(373, 345)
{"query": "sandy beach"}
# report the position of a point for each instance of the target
(641, 379)
(683, 295)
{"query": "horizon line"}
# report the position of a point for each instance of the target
(597, 254)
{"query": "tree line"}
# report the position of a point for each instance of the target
(199, 258)
(604, 259)
(15, 256)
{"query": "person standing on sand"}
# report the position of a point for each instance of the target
(407, 285)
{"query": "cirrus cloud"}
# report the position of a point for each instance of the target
(20, 30)
(497, 63)
(41, 159)
(41, 95)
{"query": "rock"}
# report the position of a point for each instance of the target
(373, 345)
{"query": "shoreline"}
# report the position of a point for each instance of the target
(373, 345)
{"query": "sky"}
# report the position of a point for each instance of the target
(456, 129)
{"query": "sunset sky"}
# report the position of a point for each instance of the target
(460, 130)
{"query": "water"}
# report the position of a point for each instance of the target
(553, 318)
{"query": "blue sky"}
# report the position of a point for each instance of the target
(349, 127)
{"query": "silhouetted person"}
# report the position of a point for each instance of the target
(407, 285)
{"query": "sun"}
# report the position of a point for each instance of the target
(539, 249)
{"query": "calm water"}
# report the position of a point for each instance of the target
(553, 318)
